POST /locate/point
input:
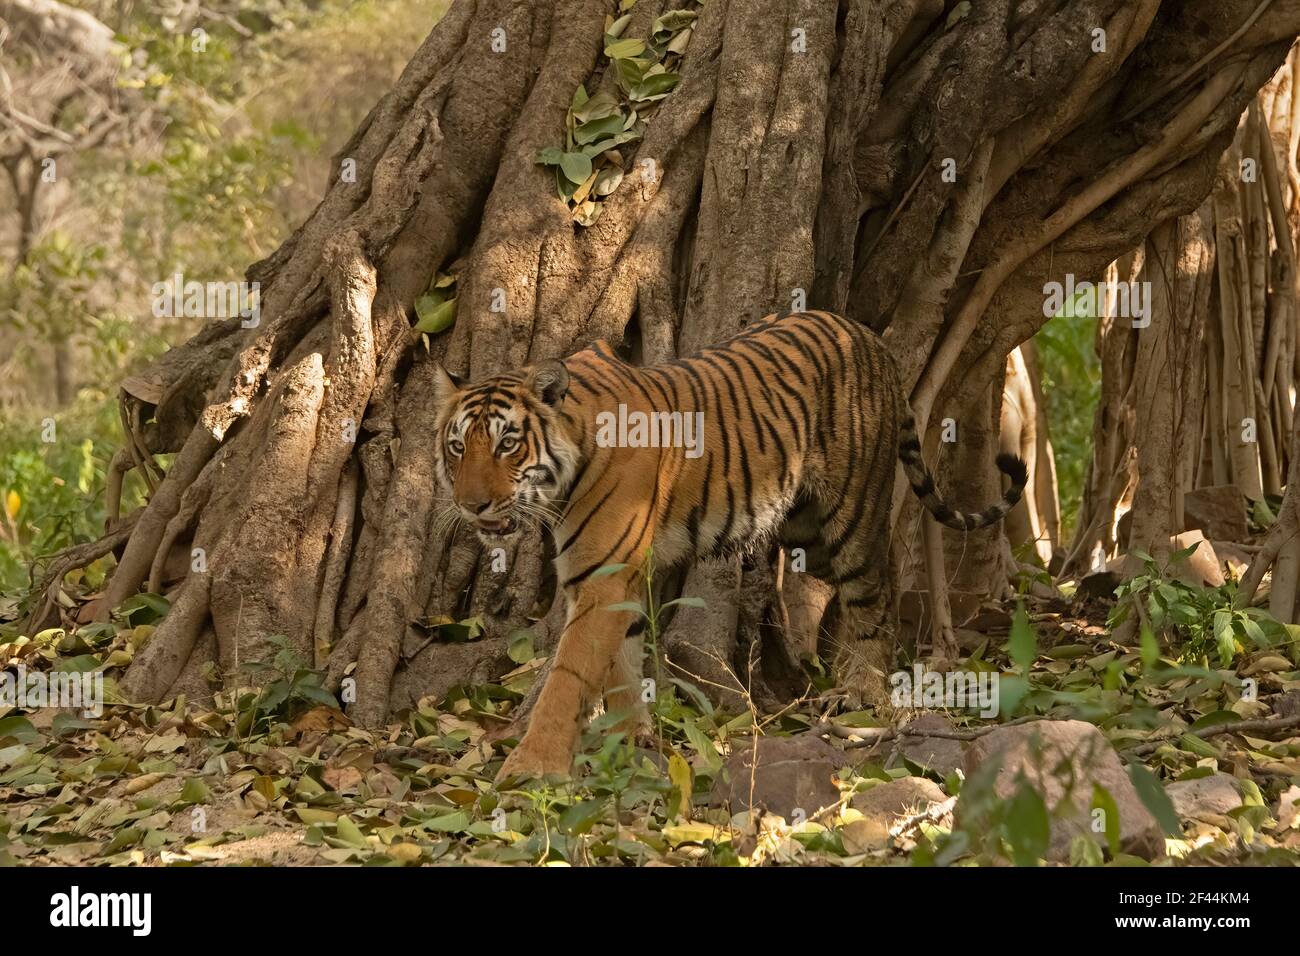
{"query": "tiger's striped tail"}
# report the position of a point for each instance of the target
(909, 453)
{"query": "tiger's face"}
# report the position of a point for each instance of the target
(503, 458)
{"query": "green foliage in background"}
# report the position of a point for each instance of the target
(224, 154)
(52, 492)
(1071, 375)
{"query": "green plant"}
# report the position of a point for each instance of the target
(52, 474)
(288, 687)
(1071, 384)
(589, 167)
(1203, 621)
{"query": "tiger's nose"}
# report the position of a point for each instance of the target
(477, 506)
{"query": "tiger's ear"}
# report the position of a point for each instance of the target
(550, 380)
(445, 385)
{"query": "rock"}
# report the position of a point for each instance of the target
(937, 754)
(792, 773)
(884, 805)
(1201, 567)
(1288, 704)
(1052, 755)
(1204, 798)
(1218, 511)
(988, 620)
(967, 640)
(898, 798)
(1100, 584)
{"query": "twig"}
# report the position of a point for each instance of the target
(870, 736)
(1263, 726)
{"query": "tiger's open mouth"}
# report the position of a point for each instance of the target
(498, 527)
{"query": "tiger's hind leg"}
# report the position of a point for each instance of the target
(857, 635)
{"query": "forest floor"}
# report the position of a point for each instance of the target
(279, 777)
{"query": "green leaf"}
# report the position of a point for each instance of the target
(702, 745)
(350, 833)
(1150, 648)
(618, 26)
(686, 602)
(20, 728)
(1155, 799)
(195, 791)
(610, 142)
(623, 49)
(1198, 746)
(550, 156)
(580, 817)
(81, 664)
(1103, 801)
(1028, 829)
(1254, 632)
(655, 86)
(1224, 638)
(576, 167)
(673, 21)
(1084, 851)
(607, 569)
(144, 608)
(520, 646)
(448, 823)
(601, 105)
(598, 129)
(1011, 691)
(1216, 718)
(633, 606)
(434, 318)
(1023, 644)
(630, 71)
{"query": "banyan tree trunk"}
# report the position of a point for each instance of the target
(1200, 401)
(922, 166)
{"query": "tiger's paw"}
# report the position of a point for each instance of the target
(528, 762)
(863, 690)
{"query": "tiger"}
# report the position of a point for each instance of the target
(789, 431)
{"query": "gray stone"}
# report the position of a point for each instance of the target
(1062, 760)
(884, 805)
(1204, 798)
(792, 773)
(1288, 704)
(940, 755)
(897, 798)
(1219, 511)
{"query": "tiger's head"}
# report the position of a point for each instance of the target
(503, 457)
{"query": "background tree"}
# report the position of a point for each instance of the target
(59, 99)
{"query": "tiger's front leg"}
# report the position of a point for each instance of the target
(587, 650)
